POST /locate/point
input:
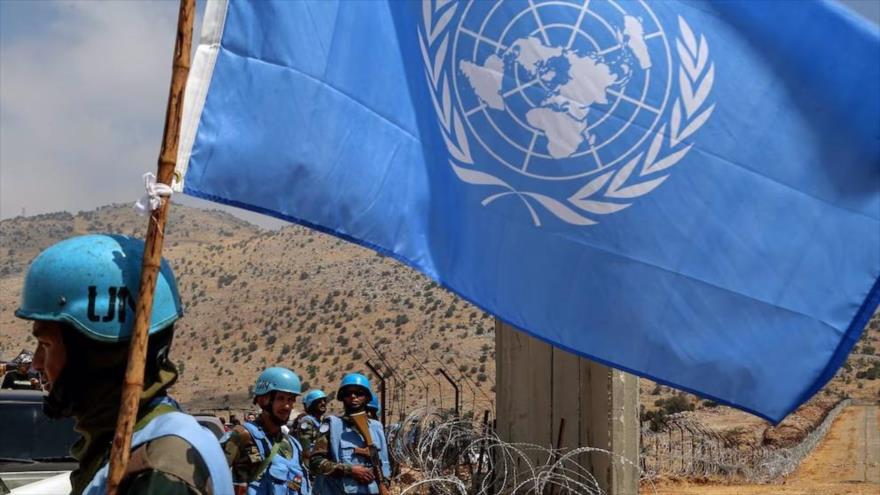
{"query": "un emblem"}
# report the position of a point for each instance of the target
(572, 107)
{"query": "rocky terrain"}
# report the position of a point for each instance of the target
(256, 297)
(293, 297)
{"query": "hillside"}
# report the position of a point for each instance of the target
(293, 297)
(323, 307)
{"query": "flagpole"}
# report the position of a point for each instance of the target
(134, 373)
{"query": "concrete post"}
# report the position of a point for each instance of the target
(537, 385)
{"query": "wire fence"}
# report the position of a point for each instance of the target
(435, 452)
(684, 447)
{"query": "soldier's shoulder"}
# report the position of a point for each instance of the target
(328, 422)
(238, 443)
(239, 435)
(174, 456)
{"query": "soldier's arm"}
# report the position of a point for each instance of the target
(238, 460)
(304, 433)
(384, 455)
(320, 461)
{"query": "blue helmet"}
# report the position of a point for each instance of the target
(91, 282)
(277, 379)
(311, 396)
(374, 404)
(355, 379)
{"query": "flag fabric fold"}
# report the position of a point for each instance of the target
(686, 190)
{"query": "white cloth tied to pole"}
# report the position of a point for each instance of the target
(155, 192)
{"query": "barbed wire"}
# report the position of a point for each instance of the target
(684, 447)
(441, 454)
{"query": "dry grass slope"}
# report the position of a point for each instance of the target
(293, 297)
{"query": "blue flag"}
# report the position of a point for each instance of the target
(686, 190)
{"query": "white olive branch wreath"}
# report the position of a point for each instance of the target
(639, 176)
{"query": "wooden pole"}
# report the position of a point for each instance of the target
(134, 373)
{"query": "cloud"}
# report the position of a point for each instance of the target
(82, 104)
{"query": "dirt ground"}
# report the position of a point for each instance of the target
(846, 463)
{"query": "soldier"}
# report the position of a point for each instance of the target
(306, 425)
(264, 459)
(80, 295)
(340, 458)
(19, 373)
(373, 408)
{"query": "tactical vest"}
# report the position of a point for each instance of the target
(186, 427)
(343, 440)
(306, 430)
(283, 476)
(311, 419)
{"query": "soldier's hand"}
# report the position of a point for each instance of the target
(361, 474)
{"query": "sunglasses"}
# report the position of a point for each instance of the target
(352, 391)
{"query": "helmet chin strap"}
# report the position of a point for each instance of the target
(278, 421)
(269, 409)
(58, 403)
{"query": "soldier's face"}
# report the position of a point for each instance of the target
(320, 406)
(282, 405)
(51, 355)
(354, 398)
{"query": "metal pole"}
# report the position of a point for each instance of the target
(455, 386)
(489, 400)
(381, 389)
(481, 451)
(431, 376)
(390, 373)
(554, 458)
(473, 395)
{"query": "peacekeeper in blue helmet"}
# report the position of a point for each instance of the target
(80, 294)
(341, 460)
(373, 408)
(306, 426)
(264, 459)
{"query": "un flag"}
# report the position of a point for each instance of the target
(686, 190)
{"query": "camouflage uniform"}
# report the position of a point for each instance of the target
(243, 456)
(320, 460)
(305, 430)
(333, 465)
(167, 465)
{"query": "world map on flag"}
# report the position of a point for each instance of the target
(570, 82)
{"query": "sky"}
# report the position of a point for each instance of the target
(83, 90)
